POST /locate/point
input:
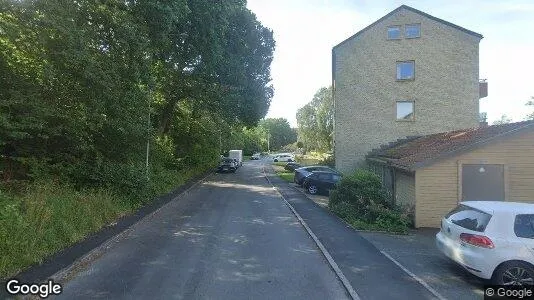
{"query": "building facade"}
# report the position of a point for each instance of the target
(407, 74)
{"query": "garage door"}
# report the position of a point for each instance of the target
(483, 182)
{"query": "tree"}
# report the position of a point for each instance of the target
(85, 85)
(504, 120)
(530, 104)
(316, 121)
(279, 131)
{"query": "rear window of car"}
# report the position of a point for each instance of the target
(524, 226)
(469, 218)
(324, 176)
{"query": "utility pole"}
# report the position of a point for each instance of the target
(148, 133)
(268, 142)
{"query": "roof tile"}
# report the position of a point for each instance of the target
(410, 152)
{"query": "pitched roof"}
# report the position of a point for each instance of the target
(417, 152)
(417, 12)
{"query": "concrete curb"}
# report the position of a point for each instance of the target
(69, 272)
(320, 245)
(349, 225)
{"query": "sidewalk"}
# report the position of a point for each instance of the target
(370, 273)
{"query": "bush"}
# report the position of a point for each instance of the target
(328, 161)
(360, 189)
(361, 201)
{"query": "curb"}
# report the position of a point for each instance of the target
(65, 274)
(345, 222)
(59, 265)
(326, 254)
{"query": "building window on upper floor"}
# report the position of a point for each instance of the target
(405, 110)
(412, 31)
(406, 70)
(394, 32)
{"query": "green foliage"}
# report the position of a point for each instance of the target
(360, 200)
(86, 85)
(279, 132)
(530, 104)
(48, 217)
(316, 122)
(503, 120)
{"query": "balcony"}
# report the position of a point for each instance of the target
(482, 88)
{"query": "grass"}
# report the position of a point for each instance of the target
(42, 218)
(283, 173)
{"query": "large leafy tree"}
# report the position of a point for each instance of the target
(316, 121)
(86, 84)
(279, 132)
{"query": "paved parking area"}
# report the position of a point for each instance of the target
(417, 254)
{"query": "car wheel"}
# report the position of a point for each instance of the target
(276, 160)
(514, 273)
(289, 160)
(312, 189)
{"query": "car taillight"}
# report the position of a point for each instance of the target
(477, 240)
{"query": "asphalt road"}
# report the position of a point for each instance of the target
(230, 237)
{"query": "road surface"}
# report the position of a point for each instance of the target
(229, 237)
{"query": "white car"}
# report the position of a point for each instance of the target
(491, 239)
(284, 157)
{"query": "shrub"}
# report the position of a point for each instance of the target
(360, 189)
(328, 161)
(361, 201)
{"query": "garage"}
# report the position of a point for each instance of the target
(428, 175)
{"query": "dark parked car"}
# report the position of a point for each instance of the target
(227, 165)
(321, 182)
(302, 172)
(291, 166)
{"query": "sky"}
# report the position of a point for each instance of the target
(306, 30)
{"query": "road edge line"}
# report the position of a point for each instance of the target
(354, 295)
(421, 281)
(69, 271)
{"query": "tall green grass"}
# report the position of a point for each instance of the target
(48, 217)
(41, 218)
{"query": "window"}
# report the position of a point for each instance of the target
(394, 32)
(469, 218)
(412, 31)
(324, 177)
(405, 70)
(524, 226)
(405, 110)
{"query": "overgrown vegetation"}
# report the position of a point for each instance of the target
(90, 89)
(316, 122)
(360, 200)
(283, 173)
